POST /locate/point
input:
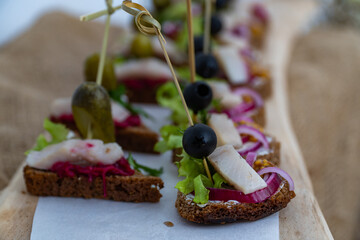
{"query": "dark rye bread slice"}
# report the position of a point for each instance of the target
(273, 156)
(259, 117)
(135, 188)
(137, 139)
(221, 212)
(142, 95)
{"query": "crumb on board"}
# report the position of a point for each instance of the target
(168, 224)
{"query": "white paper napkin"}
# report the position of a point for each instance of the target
(71, 218)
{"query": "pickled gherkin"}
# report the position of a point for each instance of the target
(91, 108)
(91, 69)
(141, 46)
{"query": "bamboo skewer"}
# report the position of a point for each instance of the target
(207, 27)
(191, 48)
(142, 14)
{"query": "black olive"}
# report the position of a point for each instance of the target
(206, 65)
(221, 4)
(199, 140)
(216, 25)
(198, 95)
(199, 43)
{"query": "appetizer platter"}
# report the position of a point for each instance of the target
(227, 162)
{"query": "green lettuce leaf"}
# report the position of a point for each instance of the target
(186, 186)
(139, 167)
(181, 41)
(184, 73)
(171, 138)
(216, 103)
(189, 168)
(161, 146)
(195, 179)
(119, 60)
(176, 11)
(218, 180)
(58, 133)
(117, 95)
(167, 96)
(175, 141)
(200, 187)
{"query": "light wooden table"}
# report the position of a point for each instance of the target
(302, 219)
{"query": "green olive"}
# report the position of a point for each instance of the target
(161, 4)
(92, 112)
(91, 69)
(141, 46)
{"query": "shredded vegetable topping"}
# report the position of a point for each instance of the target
(66, 169)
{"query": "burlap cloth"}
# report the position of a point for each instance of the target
(47, 62)
(324, 85)
(39, 66)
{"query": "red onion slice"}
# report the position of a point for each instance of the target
(244, 129)
(260, 13)
(273, 184)
(266, 177)
(241, 109)
(240, 118)
(251, 158)
(281, 172)
(242, 91)
(250, 148)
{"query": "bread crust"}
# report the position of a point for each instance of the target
(138, 139)
(135, 188)
(142, 95)
(221, 212)
(259, 117)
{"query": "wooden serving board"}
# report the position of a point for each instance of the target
(302, 219)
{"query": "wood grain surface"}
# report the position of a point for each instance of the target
(302, 219)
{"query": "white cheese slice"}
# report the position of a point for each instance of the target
(62, 106)
(228, 38)
(228, 162)
(222, 91)
(76, 151)
(118, 112)
(225, 130)
(148, 67)
(232, 64)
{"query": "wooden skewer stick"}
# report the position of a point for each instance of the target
(89, 132)
(191, 48)
(110, 10)
(207, 169)
(191, 53)
(207, 27)
(103, 51)
(142, 14)
(92, 16)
